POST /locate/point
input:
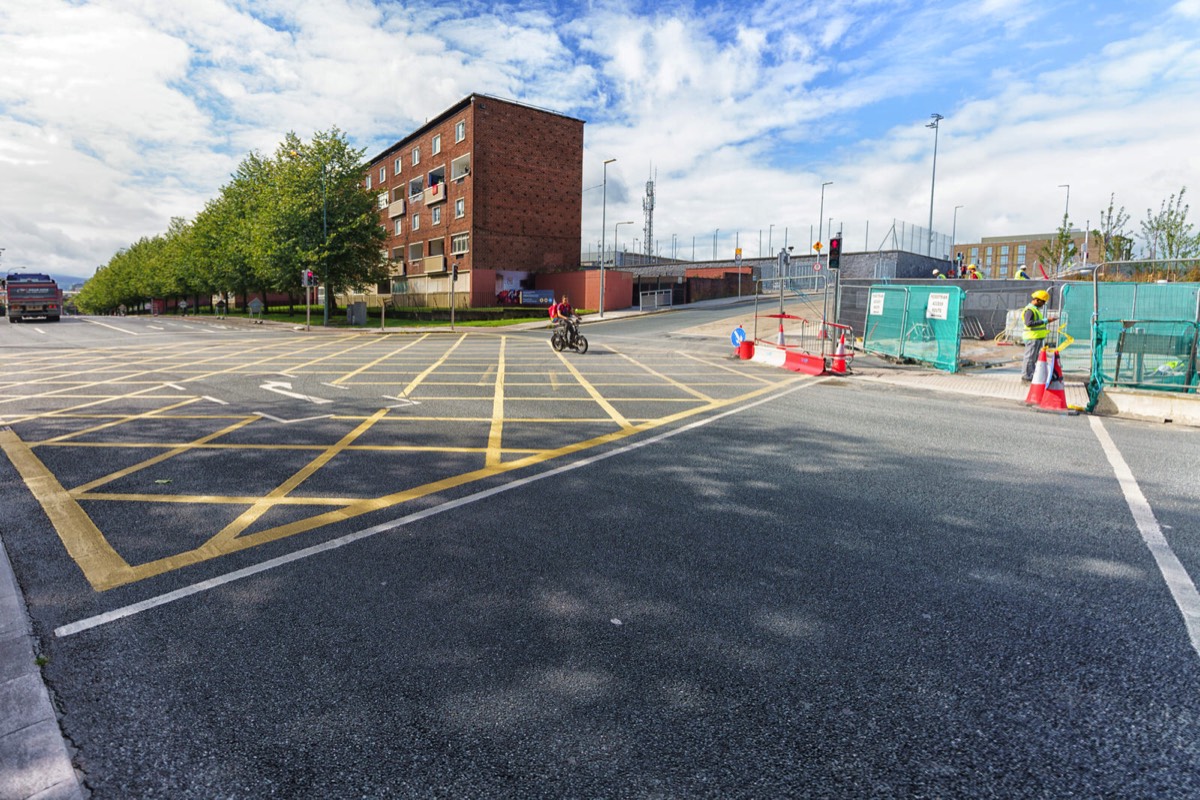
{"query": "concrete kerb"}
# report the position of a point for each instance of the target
(33, 751)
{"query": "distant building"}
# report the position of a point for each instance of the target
(489, 185)
(1000, 256)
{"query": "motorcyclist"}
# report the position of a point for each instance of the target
(569, 318)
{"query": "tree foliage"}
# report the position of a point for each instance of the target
(1116, 239)
(305, 207)
(1168, 234)
(1062, 248)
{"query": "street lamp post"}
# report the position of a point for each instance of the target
(1062, 257)
(770, 243)
(1067, 207)
(954, 232)
(718, 230)
(821, 218)
(603, 226)
(933, 181)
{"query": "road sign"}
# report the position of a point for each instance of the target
(818, 247)
(738, 336)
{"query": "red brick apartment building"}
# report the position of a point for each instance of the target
(1001, 256)
(489, 185)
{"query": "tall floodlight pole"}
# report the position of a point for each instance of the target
(1067, 207)
(603, 226)
(770, 240)
(933, 181)
(718, 230)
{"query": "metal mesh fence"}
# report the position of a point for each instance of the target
(1119, 305)
(916, 322)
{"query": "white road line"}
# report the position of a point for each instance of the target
(334, 544)
(114, 327)
(215, 400)
(39, 330)
(1180, 584)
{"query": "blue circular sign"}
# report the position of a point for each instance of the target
(738, 336)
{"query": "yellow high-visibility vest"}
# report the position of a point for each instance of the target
(1038, 330)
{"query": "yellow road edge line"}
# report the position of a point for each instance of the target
(85, 544)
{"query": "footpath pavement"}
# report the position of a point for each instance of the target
(35, 759)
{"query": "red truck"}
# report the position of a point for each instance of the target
(31, 294)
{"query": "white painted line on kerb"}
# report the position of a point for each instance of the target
(106, 325)
(213, 583)
(1180, 584)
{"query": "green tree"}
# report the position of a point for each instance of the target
(1112, 233)
(325, 218)
(1062, 248)
(1168, 234)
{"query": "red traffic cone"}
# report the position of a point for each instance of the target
(1041, 376)
(839, 357)
(781, 333)
(1055, 396)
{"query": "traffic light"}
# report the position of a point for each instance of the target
(312, 279)
(454, 272)
(835, 252)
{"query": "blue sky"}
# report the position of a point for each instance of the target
(116, 115)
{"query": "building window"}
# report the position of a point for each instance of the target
(460, 207)
(460, 130)
(368, 180)
(436, 213)
(396, 166)
(416, 251)
(416, 222)
(460, 243)
(382, 175)
(437, 145)
(382, 199)
(415, 189)
(974, 253)
(399, 225)
(460, 167)
(416, 156)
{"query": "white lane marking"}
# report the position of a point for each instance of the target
(203, 586)
(215, 400)
(39, 330)
(156, 327)
(1180, 584)
(290, 421)
(114, 327)
(175, 386)
(283, 388)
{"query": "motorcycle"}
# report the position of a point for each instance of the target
(568, 336)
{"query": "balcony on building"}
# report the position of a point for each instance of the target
(436, 193)
(460, 168)
(396, 208)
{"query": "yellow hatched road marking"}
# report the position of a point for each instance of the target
(122, 421)
(161, 457)
(251, 515)
(225, 545)
(86, 545)
(417, 381)
(367, 366)
(497, 427)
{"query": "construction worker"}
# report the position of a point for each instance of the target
(937, 274)
(972, 272)
(1034, 335)
(1022, 275)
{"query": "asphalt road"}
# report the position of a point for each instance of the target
(485, 570)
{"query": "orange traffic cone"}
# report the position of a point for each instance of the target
(781, 333)
(839, 357)
(1055, 396)
(1041, 376)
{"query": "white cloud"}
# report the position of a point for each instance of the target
(116, 115)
